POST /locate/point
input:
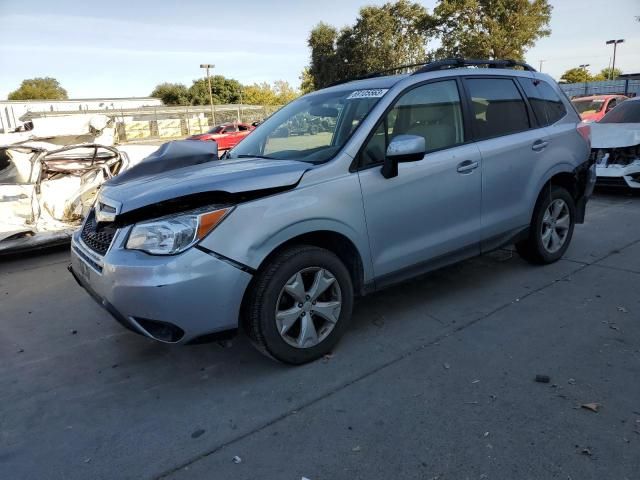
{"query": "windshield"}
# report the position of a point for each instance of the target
(625, 112)
(312, 129)
(588, 106)
(217, 129)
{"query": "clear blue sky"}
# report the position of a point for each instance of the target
(118, 48)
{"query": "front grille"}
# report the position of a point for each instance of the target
(97, 237)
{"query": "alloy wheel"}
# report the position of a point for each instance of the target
(555, 225)
(308, 307)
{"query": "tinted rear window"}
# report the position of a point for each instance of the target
(498, 106)
(625, 112)
(545, 102)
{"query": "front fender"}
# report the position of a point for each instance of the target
(257, 228)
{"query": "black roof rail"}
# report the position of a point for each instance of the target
(442, 65)
(378, 73)
(472, 62)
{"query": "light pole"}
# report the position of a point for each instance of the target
(541, 62)
(615, 47)
(584, 67)
(208, 66)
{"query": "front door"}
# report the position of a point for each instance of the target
(430, 213)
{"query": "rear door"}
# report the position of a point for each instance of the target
(430, 212)
(510, 148)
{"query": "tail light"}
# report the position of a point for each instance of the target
(584, 129)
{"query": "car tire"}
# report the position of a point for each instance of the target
(284, 288)
(551, 227)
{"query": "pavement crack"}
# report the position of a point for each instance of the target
(617, 269)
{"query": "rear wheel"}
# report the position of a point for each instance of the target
(551, 227)
(299, 305)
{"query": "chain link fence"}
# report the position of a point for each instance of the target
(177, 122)
(168, 122)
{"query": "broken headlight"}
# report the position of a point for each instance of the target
(174, 234)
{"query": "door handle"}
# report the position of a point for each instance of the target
(467, 166)
(539, 145)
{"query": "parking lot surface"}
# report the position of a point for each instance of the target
(435, 379)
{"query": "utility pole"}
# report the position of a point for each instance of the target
(541, 62)
(615, 47)
(586, 73)
(213, 114)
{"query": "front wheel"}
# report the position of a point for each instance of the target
(551, 227)
(299, 305)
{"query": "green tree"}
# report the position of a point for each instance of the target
(324, 67)
(306, 81)
(41, 88)
(265, 94)
(285, 93)
(576, 75)
(224, 90)
(489, 28)
(259, 94)
(382, 38)
(172, 93)
(607, 74)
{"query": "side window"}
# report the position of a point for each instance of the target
(545, 102)
(243, 128)
(432, 111)
(612, 103)
(498, 106)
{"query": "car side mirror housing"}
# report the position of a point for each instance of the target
(403, 148)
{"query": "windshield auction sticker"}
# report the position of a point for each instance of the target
(371, 93)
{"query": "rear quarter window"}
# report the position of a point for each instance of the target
(546, 103)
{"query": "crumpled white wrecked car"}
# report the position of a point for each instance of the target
(49, 175)
(615, 143)
(46, 189)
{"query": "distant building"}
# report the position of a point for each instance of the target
(13, 111)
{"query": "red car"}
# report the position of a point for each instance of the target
(227, 135)
(592, 109)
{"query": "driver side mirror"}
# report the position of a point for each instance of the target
(403, 148)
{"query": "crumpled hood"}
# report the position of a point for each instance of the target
(230, 176)
(614, 135)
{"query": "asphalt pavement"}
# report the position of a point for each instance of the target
(435, 379)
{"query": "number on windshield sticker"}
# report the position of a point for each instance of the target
(371, 93)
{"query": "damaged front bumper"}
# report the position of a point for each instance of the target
(627, 176)
(176, 299)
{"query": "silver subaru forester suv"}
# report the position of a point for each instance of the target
(342, 192)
